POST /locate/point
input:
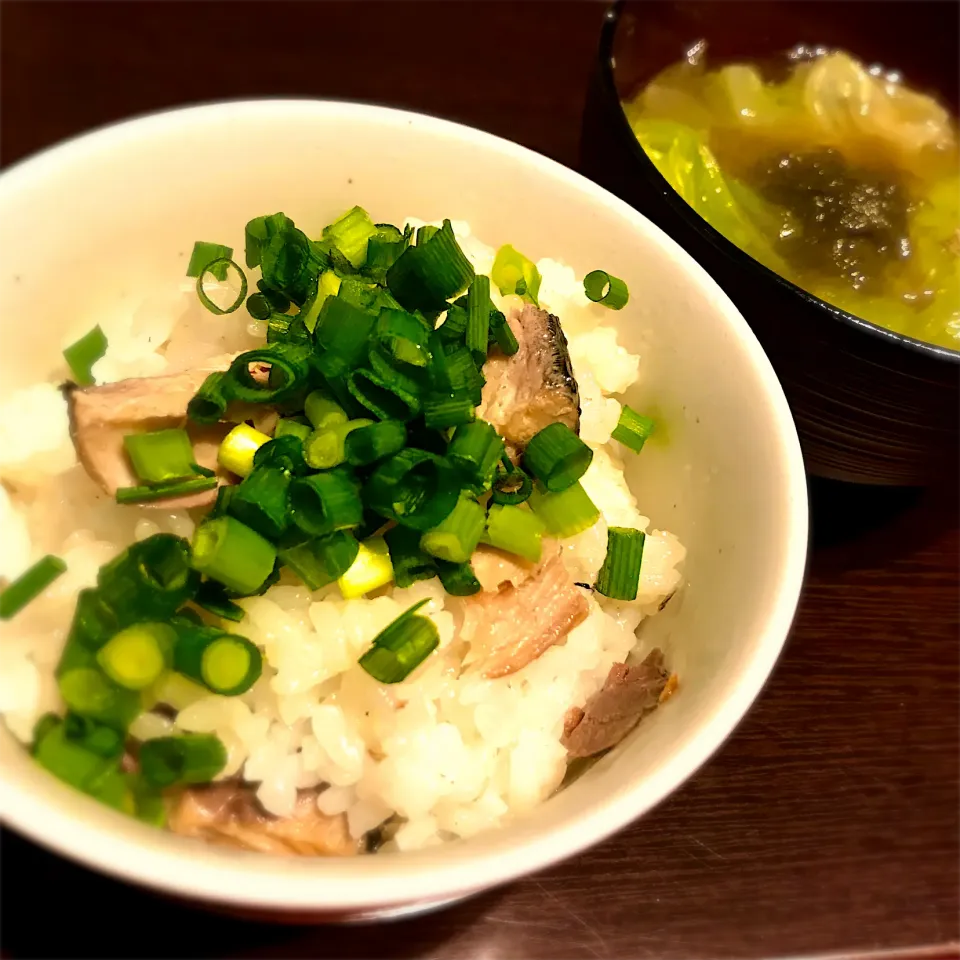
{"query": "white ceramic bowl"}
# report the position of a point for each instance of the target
(90, 225)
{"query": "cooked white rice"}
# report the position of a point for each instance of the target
(450, 754)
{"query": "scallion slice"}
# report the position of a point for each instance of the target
(323, 560)
(161, 455)
(511, 487)
(415, 488)
(388, 398)
(258, 306)
(293, 427)
(404, 335)
(94, 621)
(96, 737)
(210, 402)
(604, 288)
(443, 410)
(632, 429)
(271, 374)
(370, 570)
(232, 553)
(374, 441)
(344, 330)
(218, 266)
(458, 579)
(401, 647)
(238, 448)
(323, 412)
(502, 335)
(424, 277)
(136, 657)
(410, 562)
(478, 317)
(619, 577)
(515, 530)
(84, 353)
(350, 233)
(564, 514)
(205, 255)
(69, 761)
(557, 457)
(513, 273)
(456, 536)
(325, 502)
(187, 758)
(223, 662)
(283, 328)
(29, 585)
(283, 452)
(163, 491)
(88, 692)
(474, 451)
(260, 501)
(326, 448)
(212, 596)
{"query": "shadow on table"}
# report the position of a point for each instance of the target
(54, 908)
(854, 526)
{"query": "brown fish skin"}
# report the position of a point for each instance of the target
(100, 417)
(512, 627)
(533, 388)
(228, 813)
(627, 695)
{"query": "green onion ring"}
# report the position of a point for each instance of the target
(206, 301)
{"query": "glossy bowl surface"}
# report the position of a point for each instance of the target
(871, 406)
(103, 221)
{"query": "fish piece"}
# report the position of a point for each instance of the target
(533, 388)
(512, 627)
(493, 567)
(100, 417)
(228, 813)
(627, 695)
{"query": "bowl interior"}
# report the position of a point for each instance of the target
(100, 223)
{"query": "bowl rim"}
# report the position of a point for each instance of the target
(606, 73)
(134, 852)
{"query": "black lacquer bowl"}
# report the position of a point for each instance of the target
(871, 406)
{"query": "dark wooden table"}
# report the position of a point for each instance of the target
(829, 821)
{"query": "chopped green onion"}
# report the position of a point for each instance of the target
(374, 441)
(425, 232)
(370, 570)
(287, 262)
(229, 551)
(327, 448)
(443, 410)
(458, 579)
(383, 248)
(94, 621)
(321, 561)
(177, 691)
(323, 412)
(283, 452)
(222, 504)
(210, 402)
(512, 488)
(215, 268)
(604, 288)
(281, 369)
(163, 491)
(478, 317)
(150, 580)
(424, 277)
(205, 255)
(415, 488)
(513, 273)
(401, 646)
(212, 596)
(223, 662)
(457, 535)
(258, 306)
(515, 530)
(160, 455)
(474, 451)
(84, 353)
(386, 398)
(187, 758)
(619, 577)
(632, 429)
(328, 285)
(404, 335)
(410, 562)
(88, 692)
(350, 233)
(502, 334)
(463, 375)
(96, 737)
(258, 231)
(564, 514)
(69, 761)
(238, 447)
(344, 330)
(292, 427)
(260, 501)
(137, 656)
(454, 327)
(279, 303)
(282, 328)
(148, 802)
(46, 723)
(29, 585)
(557, 457)
(325, 502)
